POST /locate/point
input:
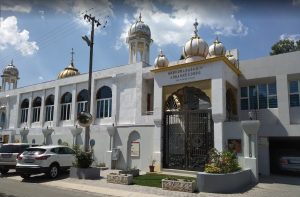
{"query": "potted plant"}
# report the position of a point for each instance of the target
(151, 167)
(222, 174)
(82, 165)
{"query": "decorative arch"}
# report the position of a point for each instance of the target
(134, 149)
(187, 98)
(104, 92)
(37, 102)
(25, 104)
(50, 100)
(49, 108)
(104, 102)
(66, 98)
(24, 110)
(66, 105)
(82, 100)
(83, 95)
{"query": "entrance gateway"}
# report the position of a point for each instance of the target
(187, 130)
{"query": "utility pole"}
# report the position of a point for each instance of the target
(90, 43)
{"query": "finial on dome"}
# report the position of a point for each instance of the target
(217, 40)
(196, 29)
(140, 17)
(12, 62)
(161, 52)
(72, 56)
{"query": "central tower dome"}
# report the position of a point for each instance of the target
(196, 48)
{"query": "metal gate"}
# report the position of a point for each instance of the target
(187, 138)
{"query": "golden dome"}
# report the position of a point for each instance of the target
(69, 71)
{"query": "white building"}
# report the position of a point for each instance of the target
(169, 112)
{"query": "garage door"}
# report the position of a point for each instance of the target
(282, 147)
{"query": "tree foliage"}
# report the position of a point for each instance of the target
(285, 46)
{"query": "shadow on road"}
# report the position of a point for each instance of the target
(290, 179)
(4, 195)
(44, 178)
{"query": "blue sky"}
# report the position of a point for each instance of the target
(38, 34)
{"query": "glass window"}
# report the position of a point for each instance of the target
(24, 110)
(294, 87)
(49, 108)
(253, 97)
(260, 96)
(294, 94)
(244, 92)
(66, 103)
(104, 102)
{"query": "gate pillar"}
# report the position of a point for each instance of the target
(218, 90)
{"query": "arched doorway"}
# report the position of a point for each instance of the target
(188, 129)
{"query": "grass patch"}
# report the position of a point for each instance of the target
(154, 180)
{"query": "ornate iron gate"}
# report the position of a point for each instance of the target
(187, 138)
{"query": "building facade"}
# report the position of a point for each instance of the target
(170, 112)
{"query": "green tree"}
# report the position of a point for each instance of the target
(298, 45)
(284, 46)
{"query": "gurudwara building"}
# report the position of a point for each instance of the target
(170, 112)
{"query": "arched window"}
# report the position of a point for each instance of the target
(49, 108)
(36, 106)
(82, 100)
(24, 110)
(66, 105)
(104, 102)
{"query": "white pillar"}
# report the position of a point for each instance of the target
(56, 113)
(157, 117)
(74, 102)
(218, 102)
(42, 112)
(29, 111)
(282, 98)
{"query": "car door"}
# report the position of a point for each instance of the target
(70, 156)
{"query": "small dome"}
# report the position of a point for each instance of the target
(217, 49)
(196, 48)
(139, 28)
(161, 60)
(70, 70)
(10, 71)
(232, 59)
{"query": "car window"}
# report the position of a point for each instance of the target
(69, 151)
(34, 151)
(55, 150)
(13, 148)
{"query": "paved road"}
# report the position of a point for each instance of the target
(15, 188)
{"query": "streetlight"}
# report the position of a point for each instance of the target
(85, 118)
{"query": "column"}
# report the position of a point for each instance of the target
(283, 98)
(114, 107)
(157, 117)
(29, 111)
(74, 107)
(218, 102)
(42, 112)
(56, 113)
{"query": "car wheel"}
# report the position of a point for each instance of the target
(53, 171)
(4, 170)
(25, 176)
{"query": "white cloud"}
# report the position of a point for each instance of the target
(296, 2)
(176, 26)
(293, 37)
(41, 78)
(11, 36)
(16, 6)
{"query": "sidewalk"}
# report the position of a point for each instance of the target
(275, 186)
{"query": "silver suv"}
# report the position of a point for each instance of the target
(9, 153)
